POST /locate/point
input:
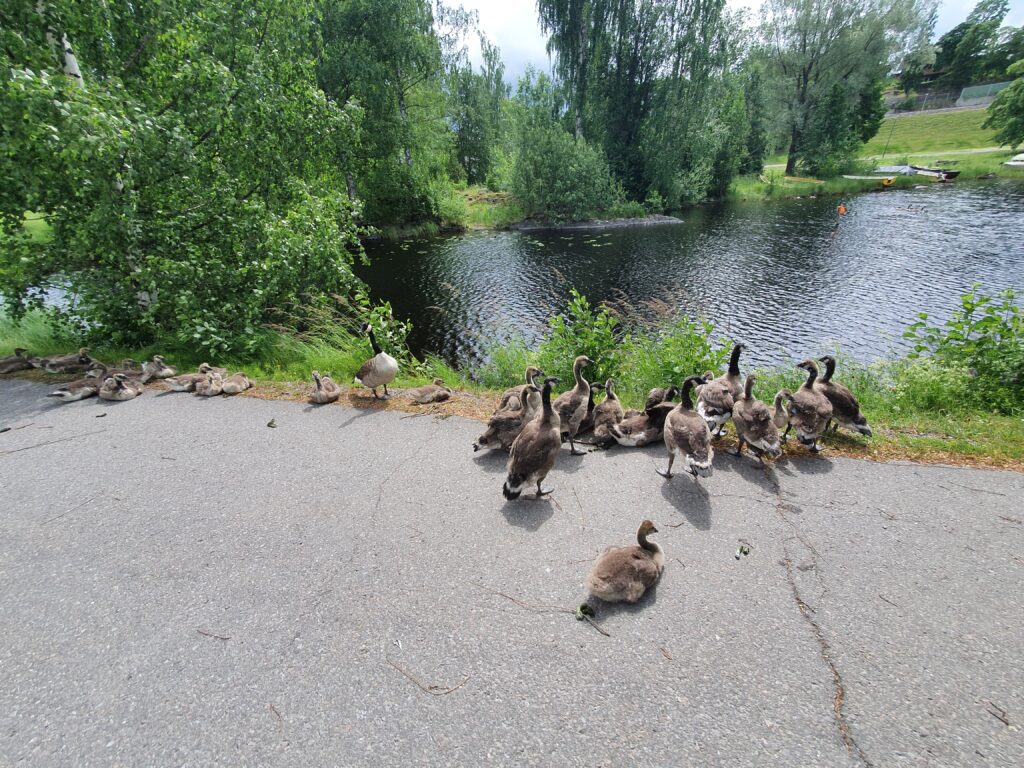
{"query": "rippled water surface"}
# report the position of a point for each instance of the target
(780, 276)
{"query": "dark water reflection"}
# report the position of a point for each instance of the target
(779, 276)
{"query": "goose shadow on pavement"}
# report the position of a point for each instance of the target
(689, 497)
(529, 512)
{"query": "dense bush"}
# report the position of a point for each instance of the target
(981, 345)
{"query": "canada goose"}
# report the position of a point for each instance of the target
(504, 426)
(625, 573)
(211, 385)
(716, 397)
(608, 413)
(659, 395)
(157, 369)
(687, 435)
(808, 410)
(534, 451)
(512, 399)
(16, 362)
(69, 363)
(754, 424)
(80, 389)
(640, 428)
(571, 406)
(235, 384)
(120, 387)
(431, 393)
(186, 382)
(588, 420)
(379, 370)
(207, 368)
(324, 390)
(845, 408)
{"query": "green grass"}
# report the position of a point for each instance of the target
(490, 210)
(930, 132)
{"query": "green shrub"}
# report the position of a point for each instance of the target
(581, 330)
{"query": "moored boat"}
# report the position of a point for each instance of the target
(939, 173)
(885, 180)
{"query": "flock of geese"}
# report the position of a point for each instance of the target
(531, 426)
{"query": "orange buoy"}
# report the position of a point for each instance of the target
(842, 209)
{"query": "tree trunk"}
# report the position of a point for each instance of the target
(405, 120)
(794, 147)
(350, 185)
(69, 63)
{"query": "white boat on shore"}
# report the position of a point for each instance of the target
(885, 180)
(1017, 161)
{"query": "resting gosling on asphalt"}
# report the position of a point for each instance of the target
(755, 425)
(436, 392)
(120, 387)
(687, 435)
(186, 382)
(236, 383)
(210, 386)
(19, 361)
(80, 389)
(512, 399)
(571, 406)
(535, 450)
(845, 408)
(608, 413)
(624, 574)
(504, 426)
(380, 370)
(324, 390)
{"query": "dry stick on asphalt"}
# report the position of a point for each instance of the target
(52, 442)
(211, 634)
(78, 506)
(433, 690)
(540, 608)
(890, 602)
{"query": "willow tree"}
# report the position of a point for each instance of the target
(817, 46)
(188, 174)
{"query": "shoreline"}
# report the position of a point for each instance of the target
(653, 220)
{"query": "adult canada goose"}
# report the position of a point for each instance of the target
(534, 451)
(512, 399)
(588, 420)
(69, 363)
(186, 382)
(210, 386)
(157, 369)
(716, 397)
(235, 384)
(687, 435)
(380, 370)
(808, 410)
(640, 428)
(504, 426)
(571, 406)
(608, 413)
(80, 388)
(19, 361)
(430, 393)
(845, 408)
(623, 574)
(324, 390)
(120, 387)
(755, 425)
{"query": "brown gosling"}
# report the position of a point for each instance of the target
(186, 382)
(571, 406)
(513, 397)
(504, 426)
(845, 408)
(687, 436)
(716, 398)
(210, 386)
(120, 387)
(236, 383)
(608, 413)
(624, 574)
(435, 392)
(755, 425)
(808, 410)
(19, 361)
(324, 389)
(535, 450)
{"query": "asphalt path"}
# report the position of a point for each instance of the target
(183, 585)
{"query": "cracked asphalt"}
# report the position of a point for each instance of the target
(181, 585)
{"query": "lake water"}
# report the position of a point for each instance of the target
(788, 278)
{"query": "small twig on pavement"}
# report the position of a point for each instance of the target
(540, 608)
(433, 690)
(890, 602)
(79, 506)
(52, 442)
(278, 714)
(666, 654)
(997, 712)
(211, 634)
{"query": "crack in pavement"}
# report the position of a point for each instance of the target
(808, 614)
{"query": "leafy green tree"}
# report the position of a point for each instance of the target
(477, 113)
(1006, 113)
(968, 61)
(187, 168)
(813, 45)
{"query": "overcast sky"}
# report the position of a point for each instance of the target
(512, 25)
